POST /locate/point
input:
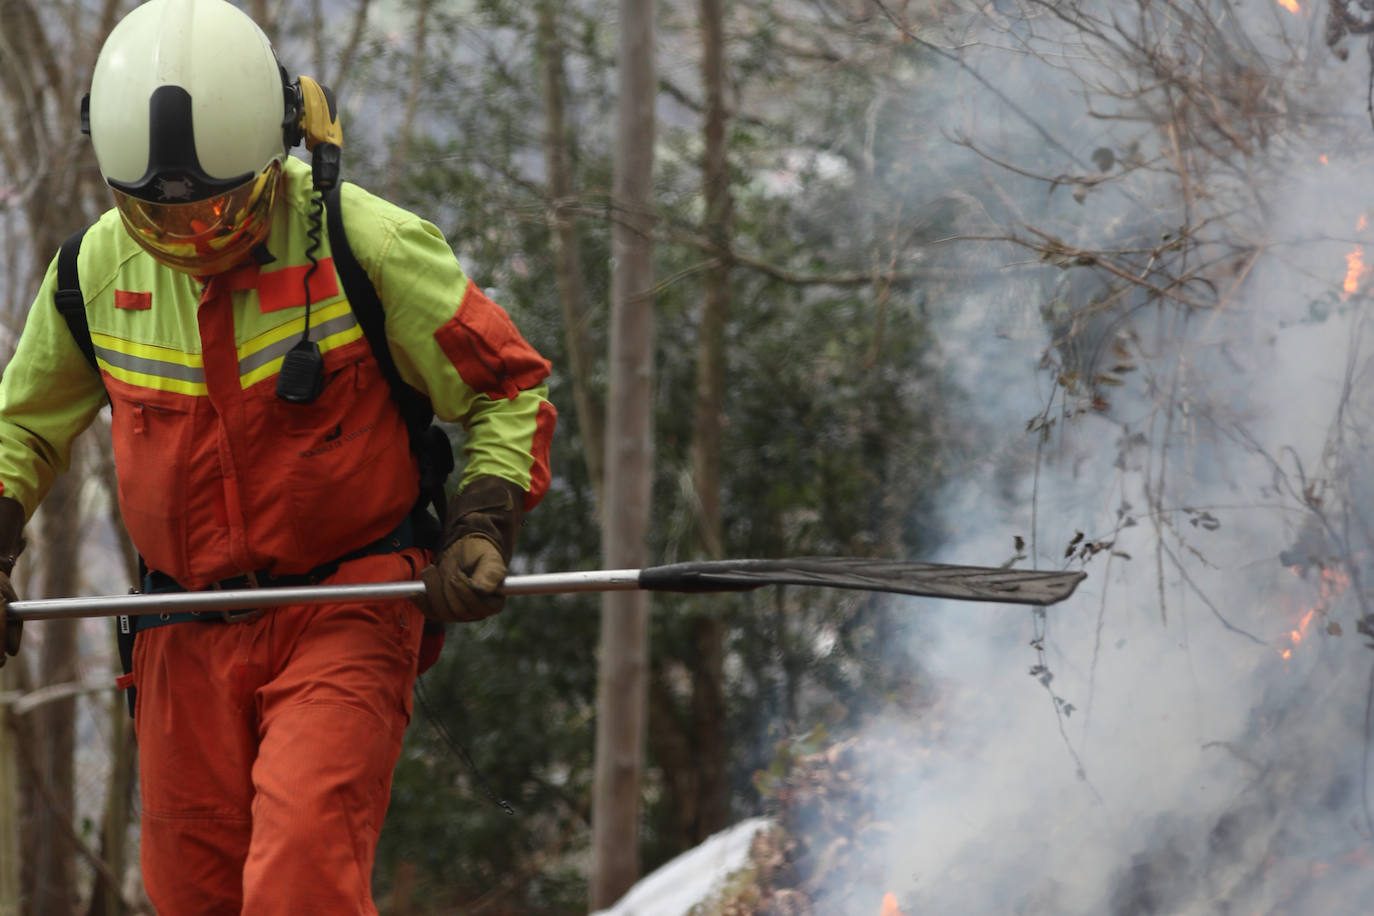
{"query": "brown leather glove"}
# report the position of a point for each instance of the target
(483, 519)
(11, 545)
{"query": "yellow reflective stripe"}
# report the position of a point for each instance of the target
(333, 341)
(150, 366)
(292, 327)
(146, 351)
(346, 336)
(161, 383)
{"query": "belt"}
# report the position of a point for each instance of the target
(400, 538)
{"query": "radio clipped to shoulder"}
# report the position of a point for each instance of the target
(312, 117)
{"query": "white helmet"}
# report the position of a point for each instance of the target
(187, 108)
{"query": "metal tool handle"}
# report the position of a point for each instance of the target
(240, 599)
(931, 580)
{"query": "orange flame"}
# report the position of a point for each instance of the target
(890, 905)
(1290, 5)
(1330, 585)
(1298, 634)
(1355, 270)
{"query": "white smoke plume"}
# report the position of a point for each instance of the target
(1188, 733)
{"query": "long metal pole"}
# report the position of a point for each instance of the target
(931, 580)
(604, 580)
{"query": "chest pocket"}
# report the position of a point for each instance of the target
(152, 438)
(347, 464)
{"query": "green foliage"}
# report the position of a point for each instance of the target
(835, 420)
(515, 693)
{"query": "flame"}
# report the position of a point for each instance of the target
(1355, 267)
(1298, 634)
(1333, 582)
(890, 907)
(1323, 158)
(1355, 270)
(1290, 5)
(1330, 584)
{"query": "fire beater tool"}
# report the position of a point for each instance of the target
(930, 580)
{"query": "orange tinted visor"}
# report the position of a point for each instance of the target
(205, 236)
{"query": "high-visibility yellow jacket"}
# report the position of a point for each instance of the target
(217, 475)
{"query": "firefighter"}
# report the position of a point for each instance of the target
(257, 443)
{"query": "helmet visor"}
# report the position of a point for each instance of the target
(205, 236)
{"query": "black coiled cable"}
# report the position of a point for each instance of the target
(302, 368)
(312, 250)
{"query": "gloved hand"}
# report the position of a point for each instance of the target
(483, 519)
(11, 545)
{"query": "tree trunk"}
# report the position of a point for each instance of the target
(107, 896)
(10, 887)
(710, 376)
(622, 678)
(45, 63)
(572, 295)
(400, 156)
(49, 786)
(708, 669)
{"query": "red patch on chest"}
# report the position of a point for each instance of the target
(285, 288)
(137, 301)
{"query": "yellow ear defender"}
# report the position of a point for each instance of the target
(314, 118)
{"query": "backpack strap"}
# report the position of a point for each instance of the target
(367, 306)
(429, 442)
(71, 304)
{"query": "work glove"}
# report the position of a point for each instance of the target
(483, 519)
(11, 545)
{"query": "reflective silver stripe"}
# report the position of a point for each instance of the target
(279, 349)
(146, 366)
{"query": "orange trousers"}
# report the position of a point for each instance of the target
(266, 749)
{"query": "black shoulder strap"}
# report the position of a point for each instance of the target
(362, 295)
(71, 304)
(429, 442)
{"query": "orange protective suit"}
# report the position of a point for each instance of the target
(264, 742)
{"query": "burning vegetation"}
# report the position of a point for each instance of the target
(826, 851)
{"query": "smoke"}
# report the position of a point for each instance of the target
(1187, 733)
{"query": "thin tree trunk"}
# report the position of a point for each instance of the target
(710, 377)
(59, 188)
(107, 897)
(709, 726)
(10, 888)
(572, 295)
(50, 783)
(349, 53)
(622, 677)
(401, 155)
(670, 742)
(708, 626)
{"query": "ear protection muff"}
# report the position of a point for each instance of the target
(312, 116)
